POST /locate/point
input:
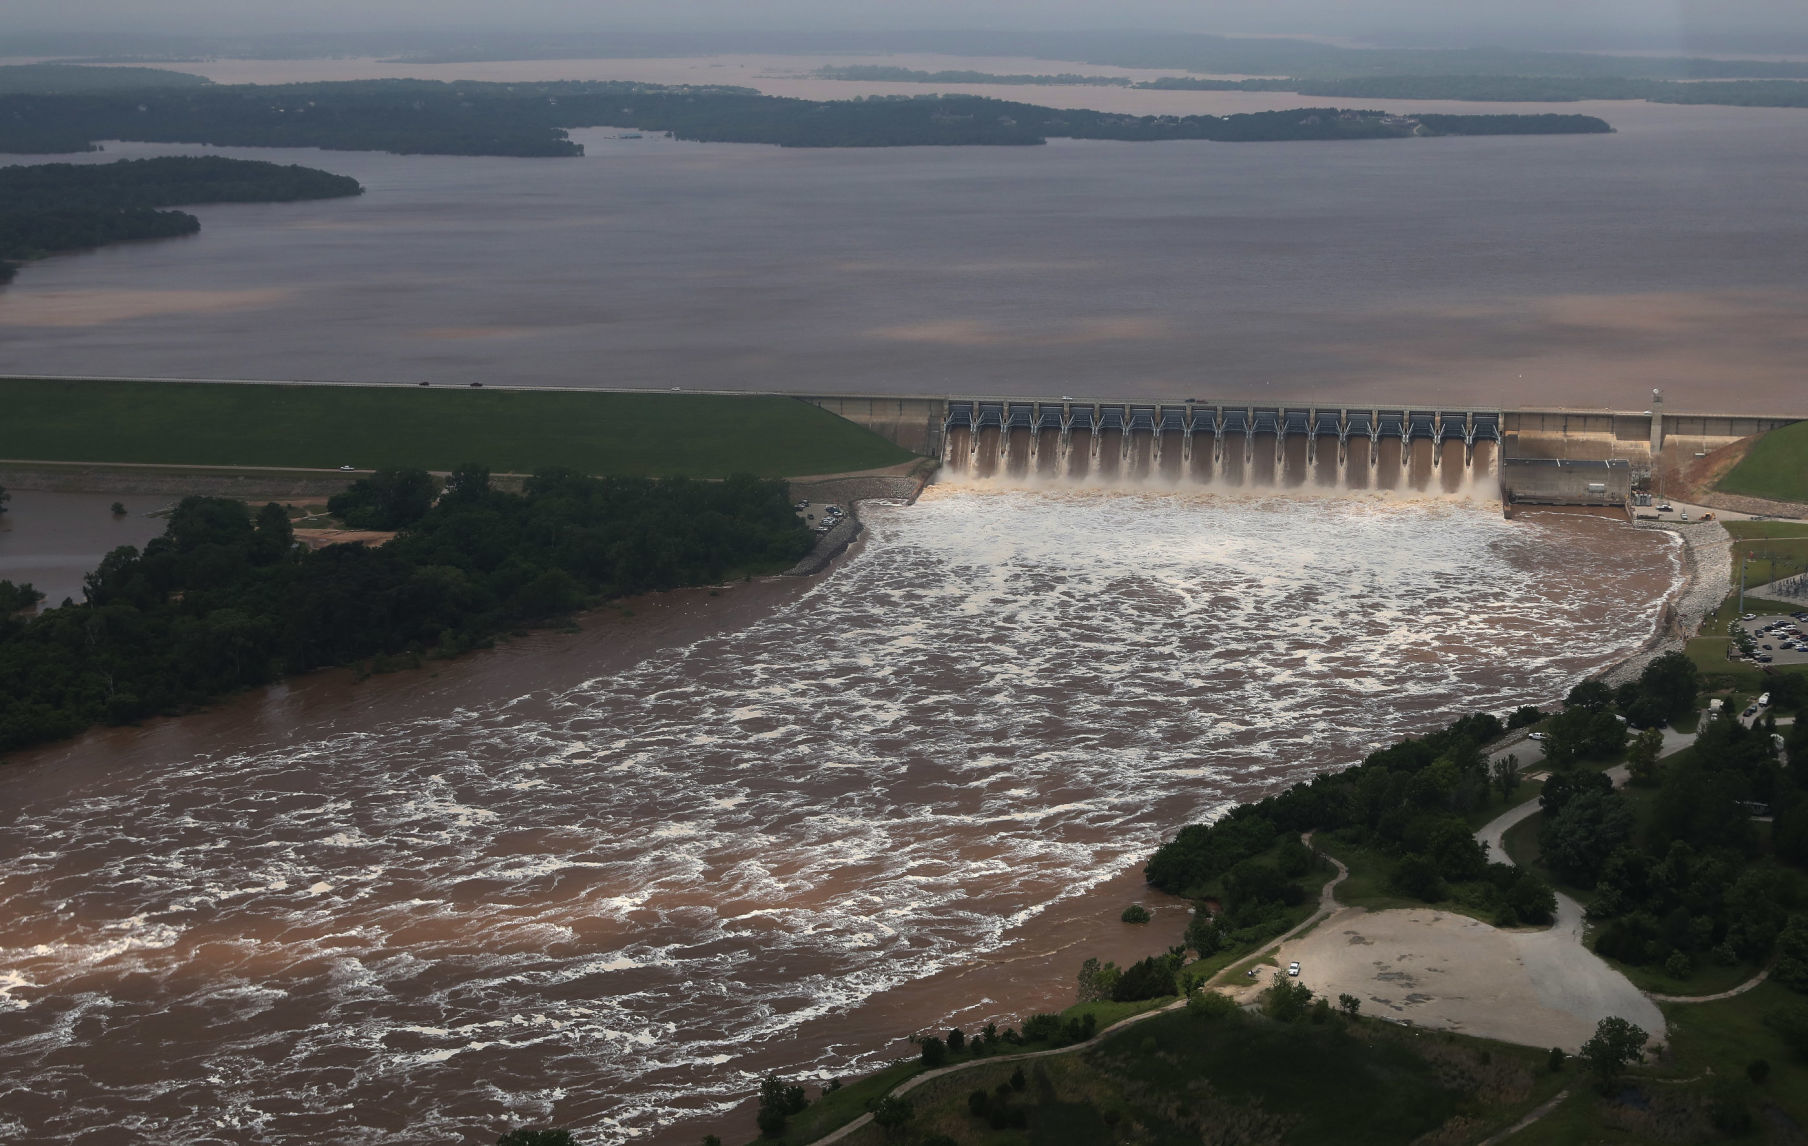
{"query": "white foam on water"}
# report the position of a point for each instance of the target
(623, 902)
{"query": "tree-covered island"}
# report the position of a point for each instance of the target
(51, 208)
(468, 118)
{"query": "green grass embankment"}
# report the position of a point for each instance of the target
(433, 428)
(1237, 1077)
(1775, 468)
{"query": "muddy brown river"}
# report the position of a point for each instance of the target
(609, 880)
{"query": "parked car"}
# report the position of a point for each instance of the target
(1293, 969)
(1537, 736)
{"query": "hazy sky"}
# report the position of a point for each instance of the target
(1668, 25)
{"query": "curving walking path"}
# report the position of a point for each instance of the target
(1727, 994)
(1327, 904)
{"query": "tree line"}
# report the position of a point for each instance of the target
(50, 208)
(225, 599)
(1514, 88)
(1409, 801)
(531, 120)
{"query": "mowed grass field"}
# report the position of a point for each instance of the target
(1776, 467)
(434, 428)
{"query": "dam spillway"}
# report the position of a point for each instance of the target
(1398, 449)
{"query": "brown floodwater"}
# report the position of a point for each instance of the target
(52, 540)
(1539, 270)
(608, 880)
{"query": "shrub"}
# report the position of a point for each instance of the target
(1150, 978)
(1042, 1028)
(1135, 913)
(778, 1102)
(1556, 1060)
(1417, 876)
(1210, 1005)
(1097, 981)
(1349, 1004)
(1525, 714)
(1081, 1028)
(1791, 1024)
(977, 1103)
(1018, 1082)
(1615, 1044)
(935, 1051)
(891, 1112)
(957, 1040)
(1758, 1070)
(537, 1138)
(1286, 1001)
(1679, 965)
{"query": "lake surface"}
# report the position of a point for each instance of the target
(547, 888)
(1541, 270)
(53, 540)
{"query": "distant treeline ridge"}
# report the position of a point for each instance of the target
(425, 117)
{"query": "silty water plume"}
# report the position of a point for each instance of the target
(618, 904)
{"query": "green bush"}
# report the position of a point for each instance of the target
(1135, 913)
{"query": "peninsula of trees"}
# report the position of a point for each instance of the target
(423, 117)
(1505, 88)
(225, 599)
(56, 207)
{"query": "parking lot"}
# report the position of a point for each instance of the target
(1787, 645)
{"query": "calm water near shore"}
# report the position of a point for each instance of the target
(1577, 270)
(609, 880)
(52, 540)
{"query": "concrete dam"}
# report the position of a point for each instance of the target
(1519, 456)
(1224, 445)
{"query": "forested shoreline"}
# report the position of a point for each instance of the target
(226, 599)
(1476, 87)
(52, 208)
(1677, 873)
(532, 119)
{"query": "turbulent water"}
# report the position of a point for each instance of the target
(616, 904)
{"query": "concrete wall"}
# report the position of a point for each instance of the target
(914, 422)
(1597, 435)
(1549, 481)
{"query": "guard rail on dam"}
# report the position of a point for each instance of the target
(1383, 448)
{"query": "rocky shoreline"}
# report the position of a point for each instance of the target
(1707, 562)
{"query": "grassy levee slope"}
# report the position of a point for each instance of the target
(434, 428)
(1776, 467)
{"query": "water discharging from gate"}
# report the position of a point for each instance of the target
(1417, 453)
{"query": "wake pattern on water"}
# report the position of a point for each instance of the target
(616, 905)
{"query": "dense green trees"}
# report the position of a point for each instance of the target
(224, 599)
(1409, 801)
(387, 499)
(463, 118)
(53, 207)
(1693, 882)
